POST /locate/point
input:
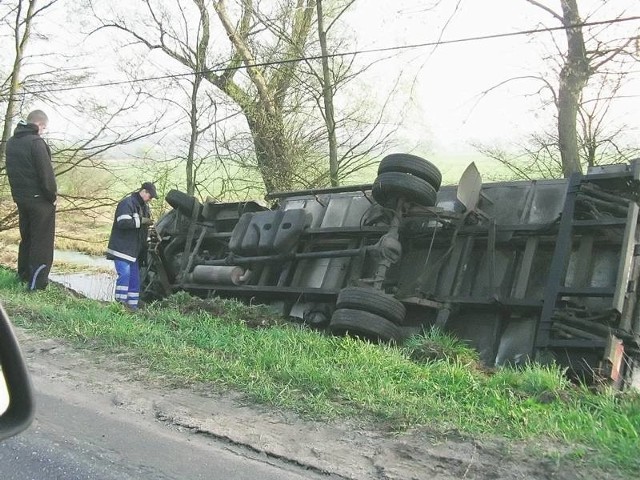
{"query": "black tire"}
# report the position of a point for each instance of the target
(391, 186)
(364, 325)
(183, 203)
(418, 166)
(372, 301)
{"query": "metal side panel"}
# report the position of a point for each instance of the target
(345, 211)
(516, 342)
(539, 272)
(482, 287)
(480, 329)
(330, 211)
(412, 270)
(449, 271)
(312, 206)
(521, 284)
(603, 274)
(335, 273)
(311, 273)
(548, 202)
(516, 203)
(626, 257)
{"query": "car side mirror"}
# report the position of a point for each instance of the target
(16, 393)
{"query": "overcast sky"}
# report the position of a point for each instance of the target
(447, 111)
(451, 78)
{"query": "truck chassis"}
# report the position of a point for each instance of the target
(543, 270)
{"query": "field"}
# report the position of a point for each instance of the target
(83, 227)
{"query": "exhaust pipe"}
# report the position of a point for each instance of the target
(226, 275)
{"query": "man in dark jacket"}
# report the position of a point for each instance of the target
(127, 242)
(33, 187)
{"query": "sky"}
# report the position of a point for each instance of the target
(450, 79)
(443, 109)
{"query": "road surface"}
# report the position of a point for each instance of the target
(85, 436)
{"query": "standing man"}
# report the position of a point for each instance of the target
(34, 190)
(127, 242)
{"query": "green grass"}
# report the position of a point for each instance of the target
(433, 381)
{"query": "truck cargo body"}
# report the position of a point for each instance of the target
(544, 270)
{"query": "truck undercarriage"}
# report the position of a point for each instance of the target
(528, 270)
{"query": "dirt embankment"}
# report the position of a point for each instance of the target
(341, 449)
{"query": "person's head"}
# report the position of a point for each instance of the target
(148, 191)
(39, 118)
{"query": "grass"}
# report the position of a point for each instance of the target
(432, 381)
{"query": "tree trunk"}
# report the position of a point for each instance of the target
(193, 138)
(200, 59)
(14, 85)
(264, 111)
(272, 153)
(327, 95)
(573, 78)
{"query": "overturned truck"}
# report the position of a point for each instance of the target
(542, 270)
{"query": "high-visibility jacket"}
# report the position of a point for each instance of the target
(128, 236)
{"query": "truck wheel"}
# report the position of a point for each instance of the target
(417, 166)
(372, 301)
(183, 203)
(390, 186)
(365, 325)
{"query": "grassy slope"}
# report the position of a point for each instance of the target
(432, 382)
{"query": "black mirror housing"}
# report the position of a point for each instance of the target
(19, 413)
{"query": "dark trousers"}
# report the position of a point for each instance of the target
(37, 219)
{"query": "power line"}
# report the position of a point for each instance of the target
(344, 54)
(616, 97)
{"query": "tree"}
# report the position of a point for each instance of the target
(581, 60)
(51, 78)
(600, 141)
(196, 142)
(333, 111)
(327, 96)
(21, 17)
(254, 67)
(585, 79)
(18, 19)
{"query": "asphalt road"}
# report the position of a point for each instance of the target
(78, 437)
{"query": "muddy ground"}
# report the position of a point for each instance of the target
(348, 450)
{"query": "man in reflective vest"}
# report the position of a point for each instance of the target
(127, 242)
